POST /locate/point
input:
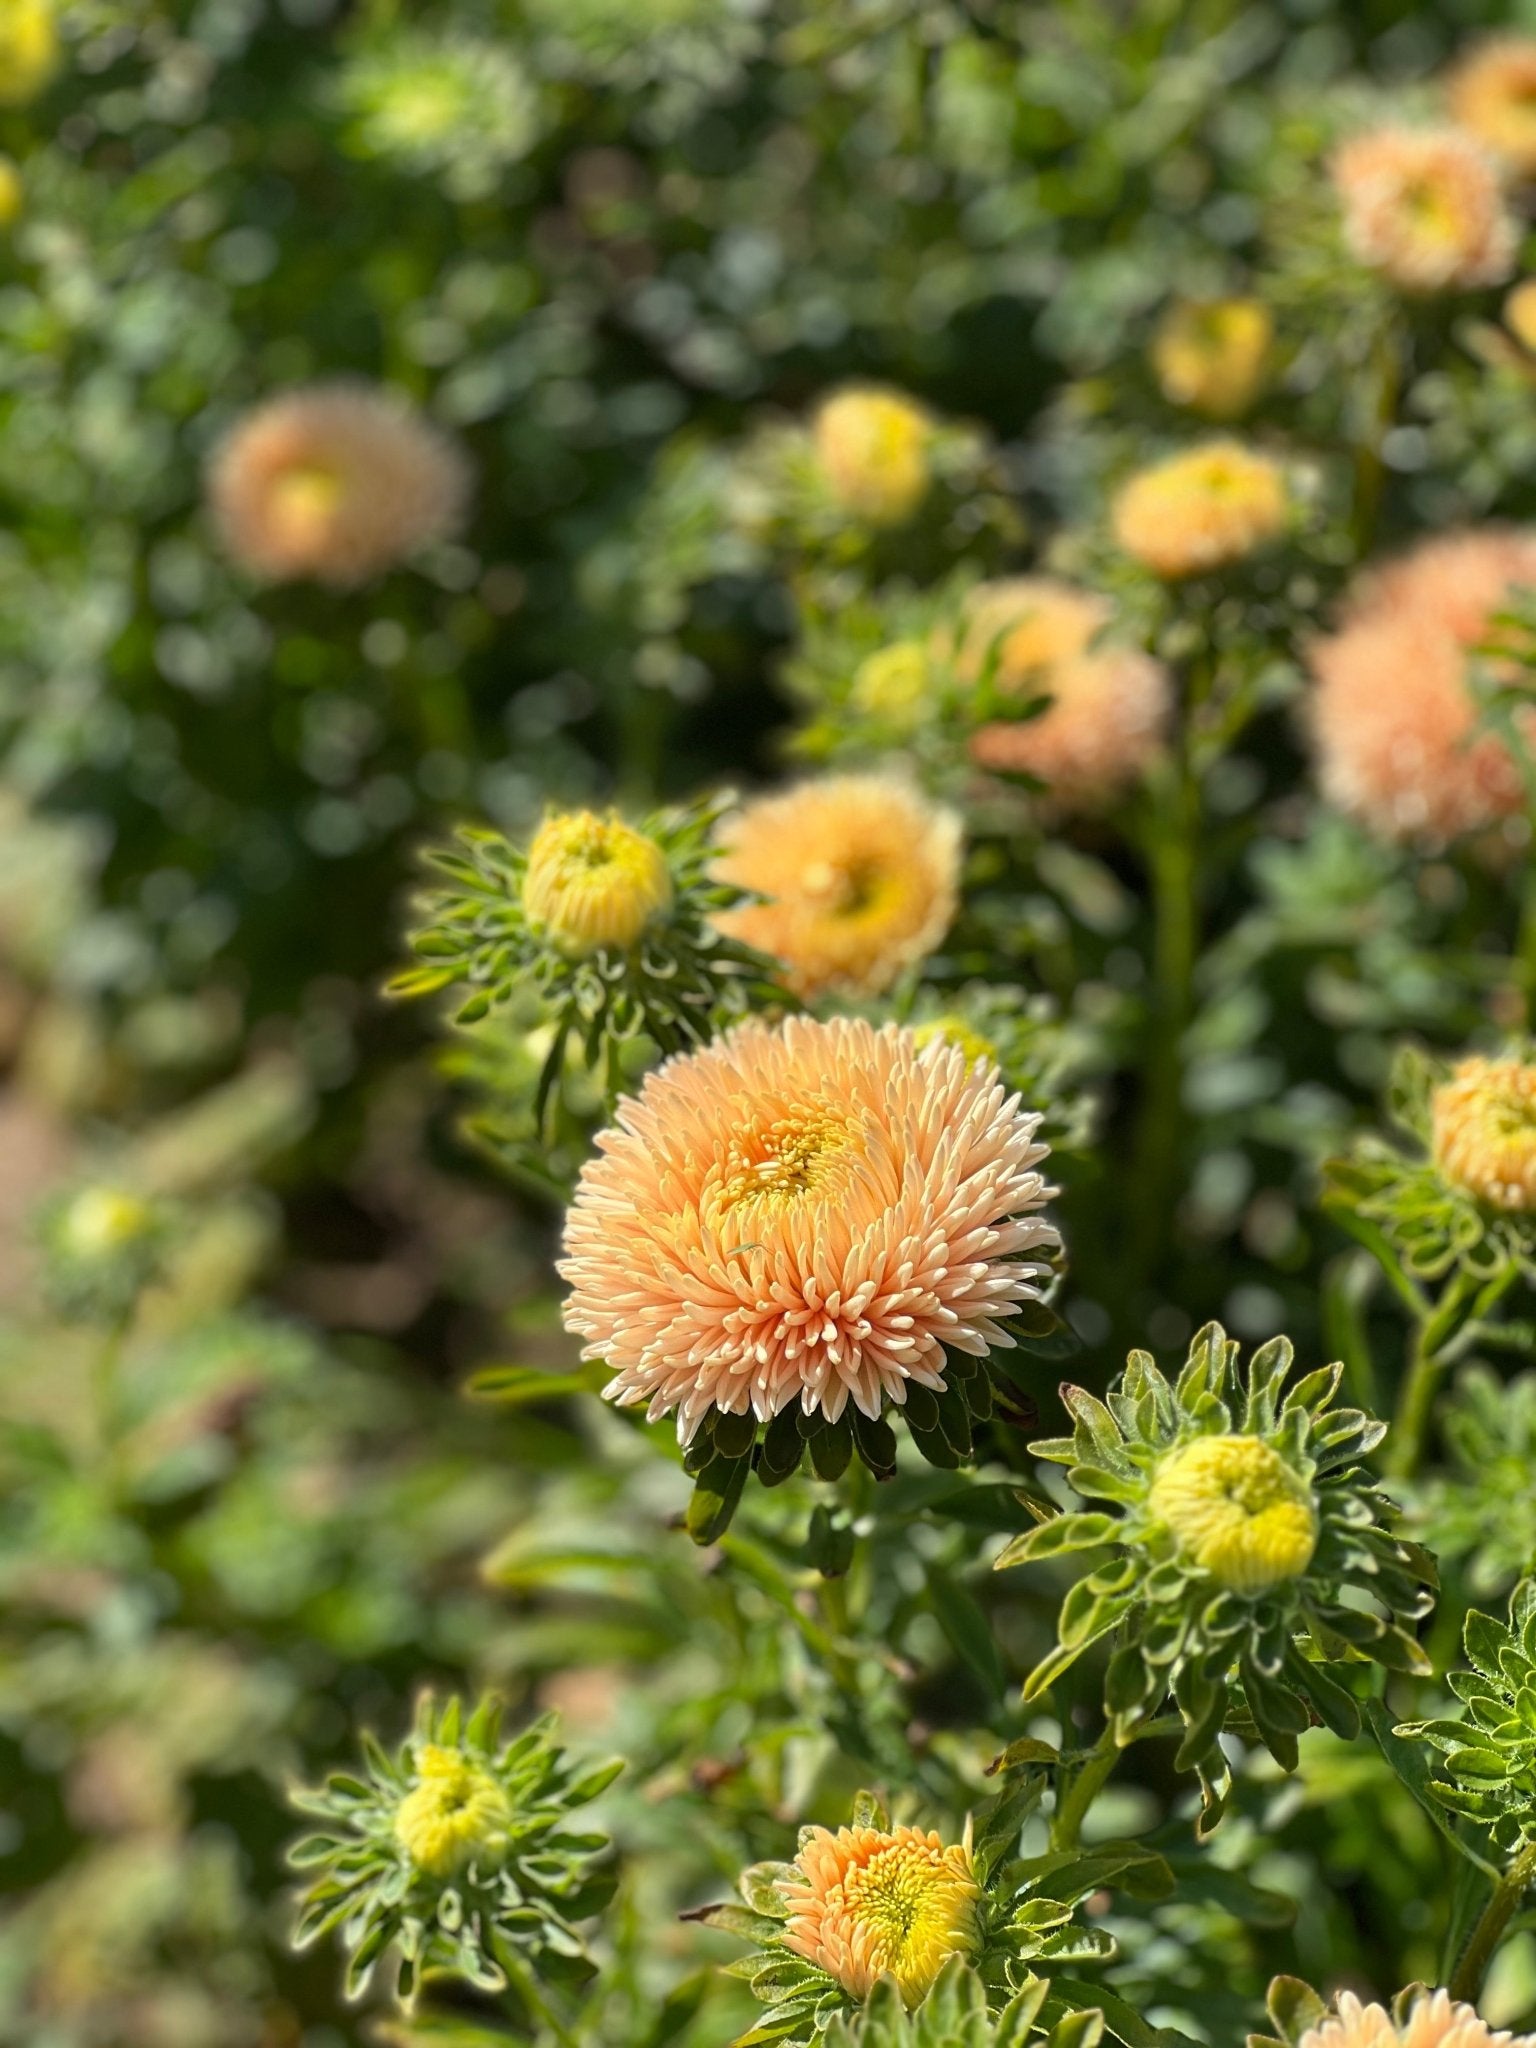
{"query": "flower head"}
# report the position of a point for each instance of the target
(456, 106)
(894, 683)
(1099, 732)
(866, 1903)
(335, 482)
(872, 447)
(594, 882)
(1417, 2019)
(861, 877)
(1248, 1528)
(869, 1919)
(1196, 511)
(1484, 1131)
(804, 1219)
(29, 49)
(103, 1245)
(451, 1852)
(1520, 313)
(1424, 206)
(457, 1814)
(1234, 1508)
(1212, 355)
(1492, 93)
(1394, 717)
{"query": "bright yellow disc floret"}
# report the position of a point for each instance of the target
(593, 882)
(456, 1815)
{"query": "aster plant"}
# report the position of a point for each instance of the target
(612, 926)
(457, 1857)
(955, 2014)
(869, 1919)
(1447, 1212)
(801, 1232)
(1253, 1559)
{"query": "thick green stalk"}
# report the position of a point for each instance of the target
(1485, 1937)
(1075, 1800)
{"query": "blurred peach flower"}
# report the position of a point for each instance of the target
(1394, 718)
(1434, 2020)
(335, 482)
(861, 874)
(1492, 92)
(1425, 208)
(1200, 510)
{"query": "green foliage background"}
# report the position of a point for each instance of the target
(637, 231)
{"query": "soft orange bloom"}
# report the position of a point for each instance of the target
(868, 1904)
(1434, 2021)
(1109, 701)
(1425, 207)
(1212, 355)
(335, 482)
(1196, 511)
(1493, 92)
(872, 445)
(862, 874)
(804, 1213)
(1393, 716)
(1483, 1125)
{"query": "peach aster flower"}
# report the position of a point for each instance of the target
(808, 1212)
(1483, 1131)
(1393, 717)
(1212, 355)
(1434, 2020)
(1211, 505)
(872, 447)
(862, 876)
(333, 481)
(1424, 206)
(865, 1904)
(1492, 92)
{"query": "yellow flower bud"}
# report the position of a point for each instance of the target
(1483, 1121)
(1213, 505)
(894, 682)
(872, 446)
(1234, 1507)
(456, 1814)
(101, 1221)
(952, 1030)
(1213, 357)
(593, 882)
(29, 49)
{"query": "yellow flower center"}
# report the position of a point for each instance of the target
(872, 447)
(951, 1030)
(100, 1221)
(456, 1815)
(894, 682)
(868, 1905)
(1483, 1121)
(779, 1166)
(593, 882)
(305, 500)
(1234, 1507)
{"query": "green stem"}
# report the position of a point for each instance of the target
(1485, 1937)
(1370, 469)
(1433, 1349)
(1073, 1803)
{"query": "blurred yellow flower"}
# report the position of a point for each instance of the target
(29, 49)
(1492, 92)
(1196, 511)
(455, 1814)
(1483, 1131)
(13, 194)
(861, 875)
(872, 446)
(955, 1031)
(102, 1220)
(1520, 313)
(1234, 1507)
(1425, 207)
(593, 882)
(1212, 356)
(894, 683)
(865, 1904)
